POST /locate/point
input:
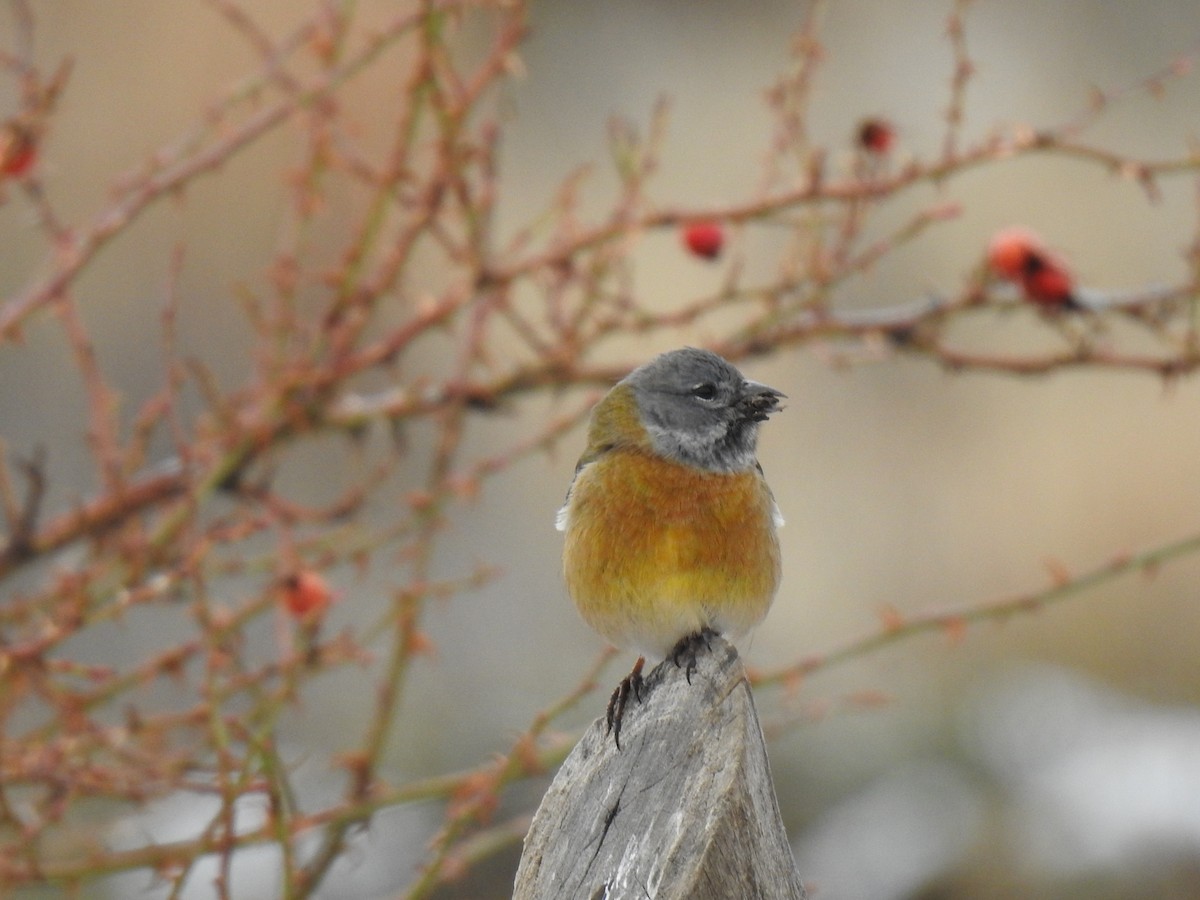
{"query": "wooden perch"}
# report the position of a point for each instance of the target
(686, 808)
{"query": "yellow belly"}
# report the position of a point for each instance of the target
(656, 550)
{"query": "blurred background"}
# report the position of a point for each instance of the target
(1056, 755)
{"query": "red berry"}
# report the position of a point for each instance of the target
(1046, 282)
(704, 239)
(305, 594)
(18, 151)
(876, 135)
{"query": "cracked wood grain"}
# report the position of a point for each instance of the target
(686, 809)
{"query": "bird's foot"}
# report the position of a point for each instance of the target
(630, 684)
(688, 650)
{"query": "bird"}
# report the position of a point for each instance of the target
(669, 524)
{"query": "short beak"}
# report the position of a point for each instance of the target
(758, 401)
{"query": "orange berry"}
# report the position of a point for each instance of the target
(1008, 251)
(305, 594)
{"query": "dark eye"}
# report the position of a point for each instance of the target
(705, 391)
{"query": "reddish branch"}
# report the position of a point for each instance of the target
(505, 321)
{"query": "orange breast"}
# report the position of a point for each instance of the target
(656, 550)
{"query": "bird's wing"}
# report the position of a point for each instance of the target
(776, 514)
(563, 516)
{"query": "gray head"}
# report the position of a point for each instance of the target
(698, 409)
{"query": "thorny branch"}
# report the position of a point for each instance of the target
(515, 317)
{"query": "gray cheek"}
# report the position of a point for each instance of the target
(703, 446)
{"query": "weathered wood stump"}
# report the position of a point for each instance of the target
(685, 809)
